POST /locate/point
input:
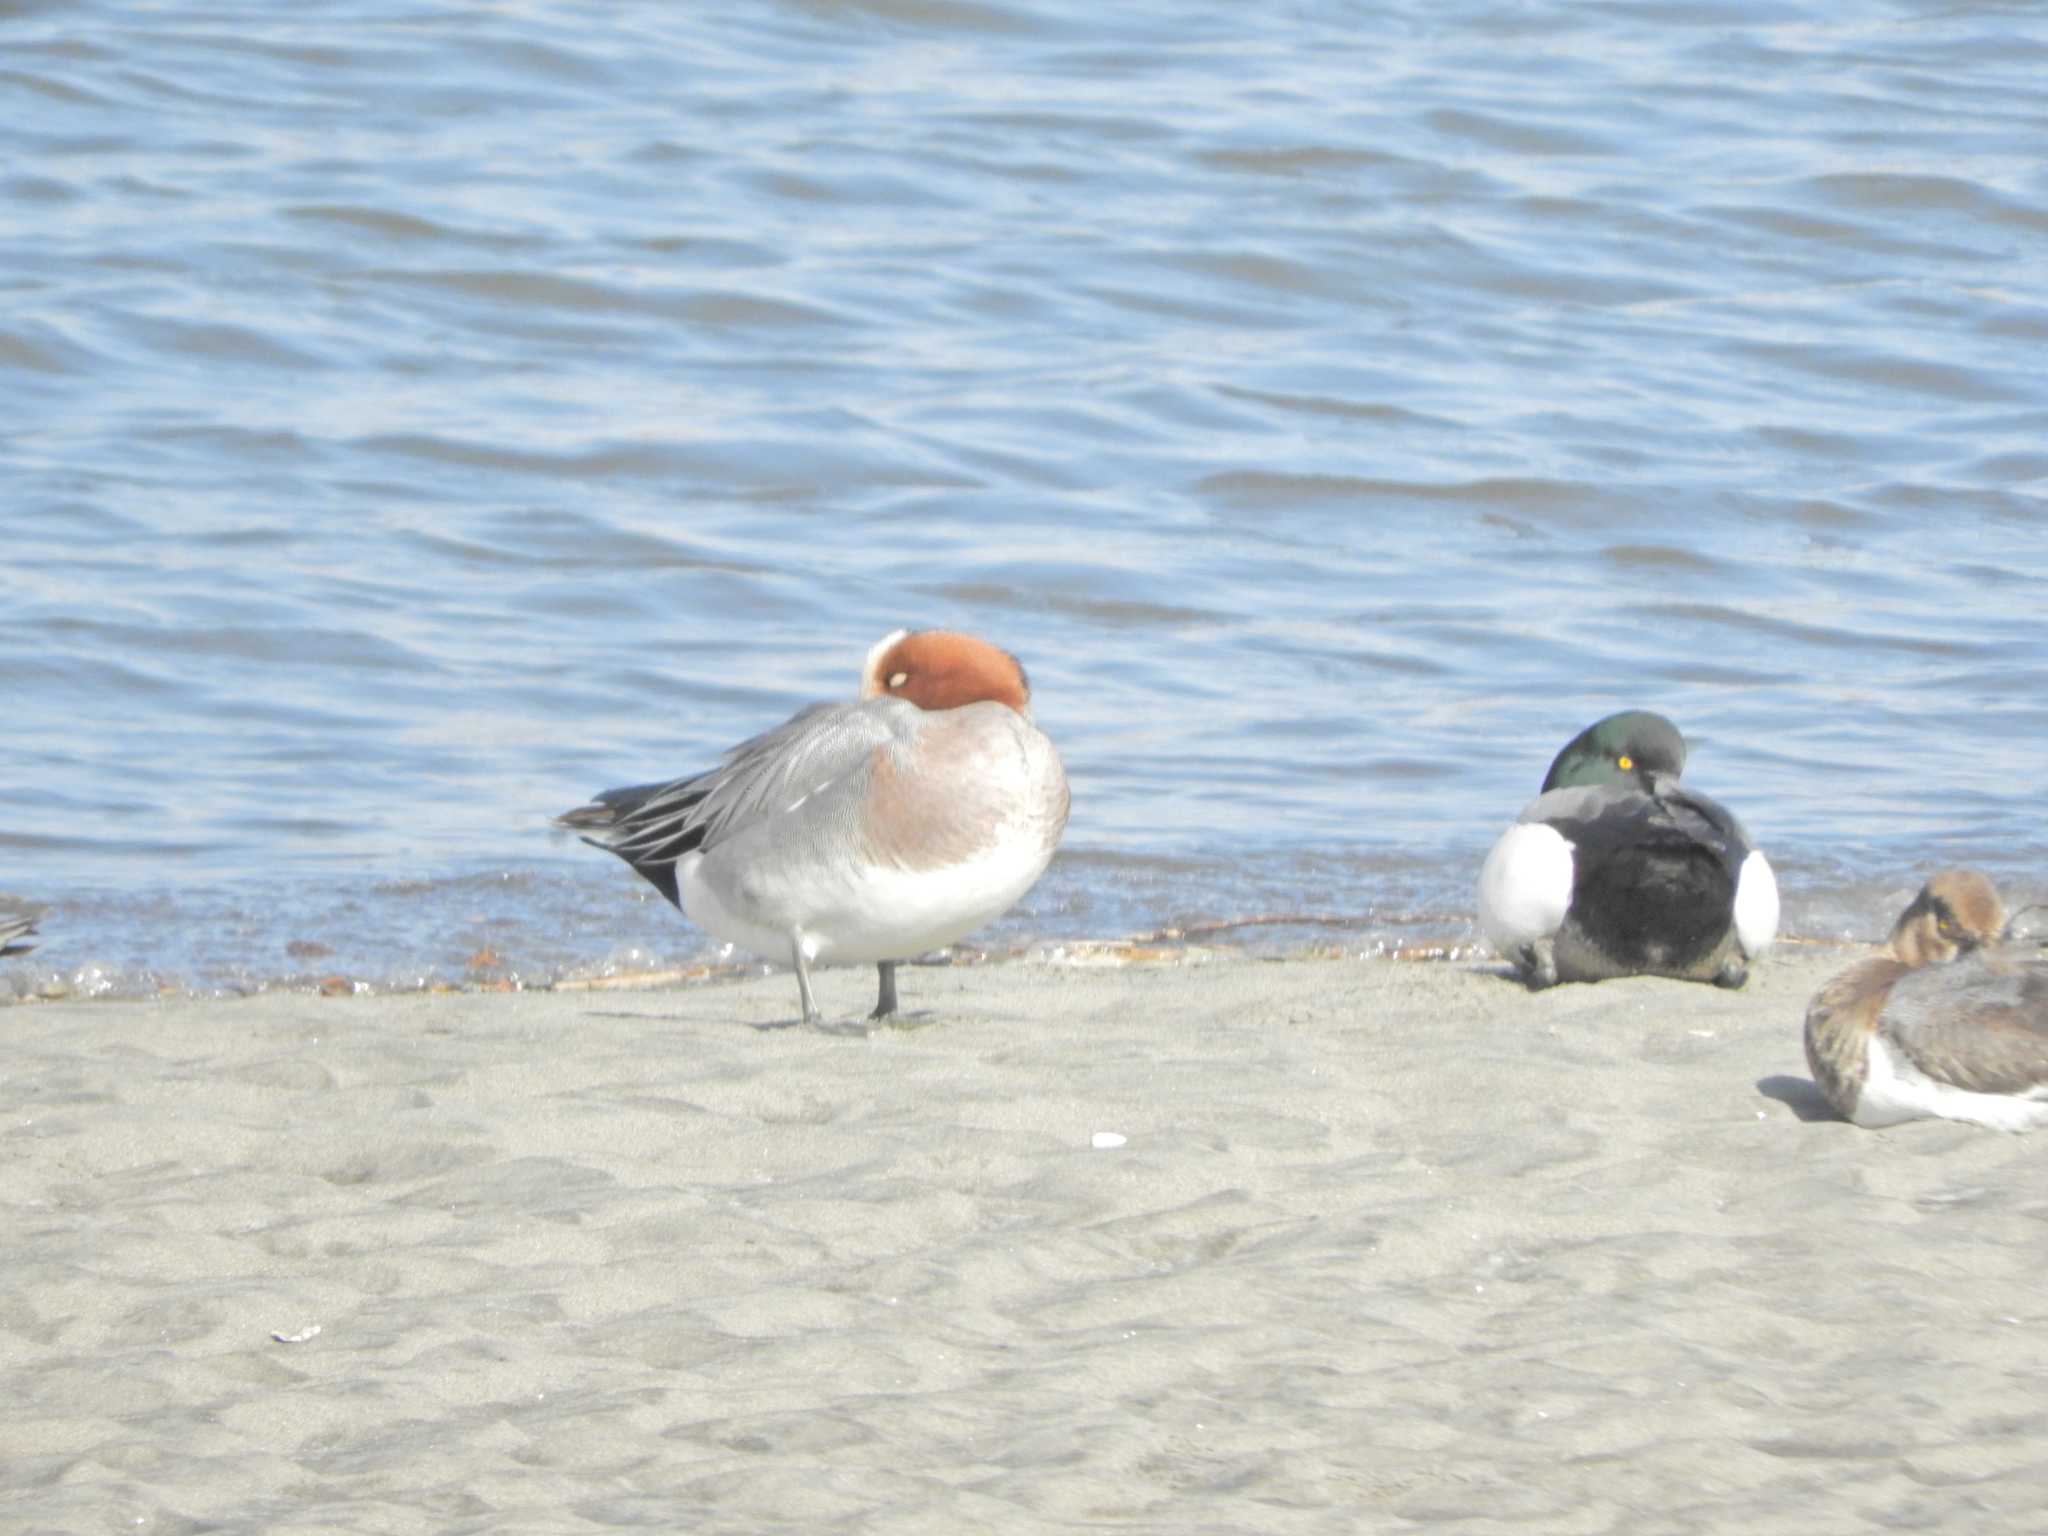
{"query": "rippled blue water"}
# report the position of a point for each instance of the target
(420, 416)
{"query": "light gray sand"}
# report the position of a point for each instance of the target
(1388, 1247)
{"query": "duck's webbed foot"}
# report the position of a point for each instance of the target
(1538, 964)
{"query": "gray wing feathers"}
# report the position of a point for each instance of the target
(1598, 817)
(1711, 823)
(1567, 805)
(766, 776)
(1981, 1023)
(17, 926)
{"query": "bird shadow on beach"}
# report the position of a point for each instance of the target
(1798, 1094)
(858, 1028)
(765, 1026)
(855, 1028)
(1507, 970)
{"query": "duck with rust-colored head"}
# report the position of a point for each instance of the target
(1950, 1022)
(866, 831)
(1615, 869)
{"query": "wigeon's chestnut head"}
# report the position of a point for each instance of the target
(1956, 911)
(941, 669)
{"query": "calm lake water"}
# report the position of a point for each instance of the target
(420, 416)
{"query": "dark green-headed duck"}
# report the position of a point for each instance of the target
(1614, 869)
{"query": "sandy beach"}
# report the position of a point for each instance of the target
(1385, 1246)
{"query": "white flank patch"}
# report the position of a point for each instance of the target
(1756, 905)
(1525, 886)
(1102, 1141)
(1895, 1090)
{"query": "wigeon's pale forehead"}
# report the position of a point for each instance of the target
(939, 669)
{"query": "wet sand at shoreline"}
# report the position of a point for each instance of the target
(1383, 1246)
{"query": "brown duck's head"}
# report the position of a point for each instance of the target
(1956, 911)
(939, 669)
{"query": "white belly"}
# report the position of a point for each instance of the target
(854, 912)
(1894, 1091)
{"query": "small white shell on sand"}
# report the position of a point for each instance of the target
(1103, 1140)
(297, 1338)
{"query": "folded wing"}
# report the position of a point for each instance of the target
(1981, 1024)
(651, 826)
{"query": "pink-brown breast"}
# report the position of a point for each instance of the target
(971, 781)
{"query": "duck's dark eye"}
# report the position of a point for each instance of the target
(1624, 762)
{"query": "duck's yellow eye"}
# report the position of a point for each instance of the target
(1947, 927)
(898, 679)
(1624, 762)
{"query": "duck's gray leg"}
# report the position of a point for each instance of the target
(803, 978)
(885, 1001)
(1539, 964)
